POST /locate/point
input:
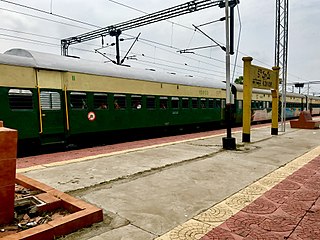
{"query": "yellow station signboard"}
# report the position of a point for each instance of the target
(263, 78)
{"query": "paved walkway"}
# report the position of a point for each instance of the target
(289, 210)
(192, 189)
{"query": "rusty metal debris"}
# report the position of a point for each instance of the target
(27, 214)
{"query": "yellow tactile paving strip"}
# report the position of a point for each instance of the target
(201, 224)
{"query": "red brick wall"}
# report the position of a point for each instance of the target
(8, 155)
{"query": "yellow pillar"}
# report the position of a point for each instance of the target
(247, 92)
(275, 103)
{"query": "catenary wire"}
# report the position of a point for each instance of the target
(85, 23)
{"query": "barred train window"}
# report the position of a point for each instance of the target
(120, 101)
(100, 101)
(203, 102)
(20, 99)
(50, 100)
(210, 103)
(175, 102)
(194, 102)
(151, 102)
(78, 100)
(218, 103)
(163, 102)
(136, 101)
(185, 102)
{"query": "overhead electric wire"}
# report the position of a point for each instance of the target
(70, 19)
(93, 25)
(238, 43)
(138, 10)
(74, 20)
(39, 35)
(182, 64)
(53, 44)
(32, 34)
(42, 18)
(166, 65)
(46, 12)
(22, 39)
(27, 39)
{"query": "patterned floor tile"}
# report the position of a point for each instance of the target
(260, 206)
(190, 230)
(242, 224)
(279, 224)
(220, 234)
(215, 215)
(239, 201)
(254, 189)
(269, 182)
(278, 196)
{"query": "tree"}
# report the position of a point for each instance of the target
(239, 80)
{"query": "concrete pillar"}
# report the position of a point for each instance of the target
(8, 156)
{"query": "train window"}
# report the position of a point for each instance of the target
(151, 102)
(218, 103)
(136, 101)
(78, 100)
(240, 104)
(120, 101)
(100, 101)
(50, 100)
(175, 102)
(210, 103)
(203, 103)
(163, 102)
(185, 102)
(194, 102)
(20, 99)
(264, 105)
(267, 104)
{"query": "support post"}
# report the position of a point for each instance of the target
(116, 33)
(247, 91)
(8, 155)
(118, 50)
(275, 103)
(228, 142)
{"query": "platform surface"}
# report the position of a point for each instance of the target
(190, 189)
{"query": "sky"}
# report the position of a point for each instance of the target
(39, 25)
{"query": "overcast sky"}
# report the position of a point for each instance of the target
(159, 43)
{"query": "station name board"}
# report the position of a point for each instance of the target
(263, 78)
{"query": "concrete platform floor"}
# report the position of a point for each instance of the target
(185, 189)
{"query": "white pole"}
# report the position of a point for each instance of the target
(228, 142)
(228, 98)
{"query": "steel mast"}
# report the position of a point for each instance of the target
(281, 50)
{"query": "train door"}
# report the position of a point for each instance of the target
(51, 106)
(51, 112)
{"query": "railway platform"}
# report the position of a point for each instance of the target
(188, 187)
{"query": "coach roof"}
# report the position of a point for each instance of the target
(22, 57)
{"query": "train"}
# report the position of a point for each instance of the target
(54, 99)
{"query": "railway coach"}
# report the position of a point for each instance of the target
(54, 99)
